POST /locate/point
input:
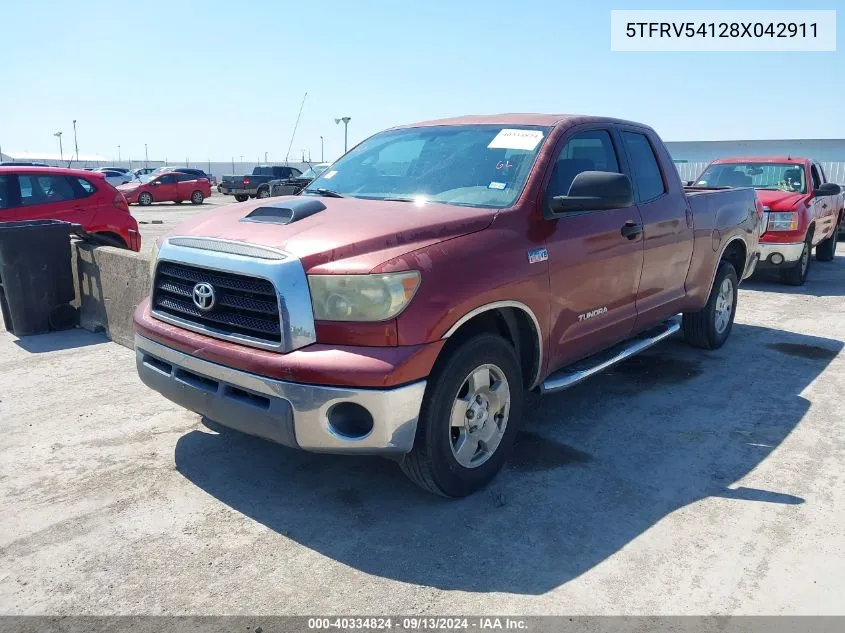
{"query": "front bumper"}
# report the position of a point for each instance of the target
(791, 253)
(293, 414)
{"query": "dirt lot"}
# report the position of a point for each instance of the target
(681, 482)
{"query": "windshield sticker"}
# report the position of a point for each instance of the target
(516, 139)
(330, 174)
(497, 185)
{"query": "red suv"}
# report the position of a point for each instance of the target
(73, 195)
(167, 187)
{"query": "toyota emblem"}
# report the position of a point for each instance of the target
(204, 297)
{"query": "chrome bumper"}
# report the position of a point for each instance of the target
(791, 252)
(292, 414)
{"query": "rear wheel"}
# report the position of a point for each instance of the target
(197, 197)
(264, 192)
(797, 274)
(469, 418)
(240, 197)
(710, 327)
(145, 199)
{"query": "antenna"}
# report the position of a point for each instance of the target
(295, 125)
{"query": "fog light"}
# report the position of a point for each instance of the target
(776, 259)
(350, 420)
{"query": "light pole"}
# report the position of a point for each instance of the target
(346, 120)
(118, 153)
(146, 156)
(61, 153)
(322, 154)
(265, 157)
(75, 144)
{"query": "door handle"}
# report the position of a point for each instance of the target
(631, 229)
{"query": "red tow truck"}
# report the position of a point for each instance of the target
(405, 300)
(801, 209)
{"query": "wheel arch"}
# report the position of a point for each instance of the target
(735, 252)
(516, 322)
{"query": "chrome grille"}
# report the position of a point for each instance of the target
(246, 306)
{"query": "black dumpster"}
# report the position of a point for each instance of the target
(36, 280)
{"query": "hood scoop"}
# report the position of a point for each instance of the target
(285, 212)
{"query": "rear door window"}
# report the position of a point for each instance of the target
(6, 184)
(44, 189)
(169, 179)
(647, 175)
(185, 177)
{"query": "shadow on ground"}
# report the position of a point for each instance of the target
(54, 341)
(595, 467)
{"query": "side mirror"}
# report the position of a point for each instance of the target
(594, 191)
(154, 183)
(828, 189)
(689, 183)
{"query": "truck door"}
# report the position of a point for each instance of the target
(823, 207)
(667, 227)
(594, 269)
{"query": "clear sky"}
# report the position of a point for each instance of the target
(221, 79)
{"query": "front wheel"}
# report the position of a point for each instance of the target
(797, 274)
(197, 197)
(709, 327)
(240, 197)
(470, 415)
(826, 250)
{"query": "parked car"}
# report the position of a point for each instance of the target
(245, 187)
(406, 298)
(143, 171)
(115, 178)
(174, 187)
(802, 210)
(291, 186)
(72, 195)
(22, 164)
(199, 173)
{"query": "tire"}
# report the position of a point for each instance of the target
(710, 327)
(197, 197)
(434, 463)
(826, 250)
(796, 275)
(240, 197)
(145, 199)
(263, 193)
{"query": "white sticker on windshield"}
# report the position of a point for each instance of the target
(330, 174)
(516, 139)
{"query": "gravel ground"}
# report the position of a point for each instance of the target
(681, 482)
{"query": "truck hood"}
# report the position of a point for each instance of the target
(779, 200)
(351, 235)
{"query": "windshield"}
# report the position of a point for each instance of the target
(776, 176)
(472, 165)
(313, 172)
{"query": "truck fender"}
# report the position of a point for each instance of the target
(495, 305)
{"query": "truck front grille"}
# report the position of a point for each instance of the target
(245, 306)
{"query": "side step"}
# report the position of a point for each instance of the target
(572, 375)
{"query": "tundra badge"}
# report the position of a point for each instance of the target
(592, 313)
(536, 255)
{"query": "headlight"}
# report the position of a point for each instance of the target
(783, 221)
(361, 297)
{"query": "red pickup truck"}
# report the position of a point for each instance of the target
(802, 210)
(403, 302)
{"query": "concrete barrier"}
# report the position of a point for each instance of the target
(110, 283)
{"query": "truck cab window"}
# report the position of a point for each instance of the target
(588, 151)
(814, 173)
(647, 176)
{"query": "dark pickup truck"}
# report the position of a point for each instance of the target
(246, 186)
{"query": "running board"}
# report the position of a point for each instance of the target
(572, 375)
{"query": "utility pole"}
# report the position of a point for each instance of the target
(61, 153)
(233, 164)
(322, 153)
(265, 157)
(187, 162)
(346, 120)
(75, 144)
(146, 156)
(118, 153)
